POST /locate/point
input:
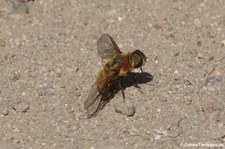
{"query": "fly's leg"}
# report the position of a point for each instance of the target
(122, 90)
(141, 70)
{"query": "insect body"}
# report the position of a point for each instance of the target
(116, 65)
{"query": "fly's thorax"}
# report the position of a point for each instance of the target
(116, 60)
(113, 63)
(137, 59)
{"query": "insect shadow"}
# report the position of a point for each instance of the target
(136, 78)
(132, 79)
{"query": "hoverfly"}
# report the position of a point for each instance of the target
(116, 65)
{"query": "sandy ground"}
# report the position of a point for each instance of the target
(49, 61)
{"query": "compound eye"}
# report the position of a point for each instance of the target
(137, 60)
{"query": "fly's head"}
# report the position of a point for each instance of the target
(137, 59)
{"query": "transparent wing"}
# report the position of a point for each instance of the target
(107, 47)
(92, 102)
(96, 101)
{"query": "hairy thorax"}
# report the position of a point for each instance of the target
(114, 69)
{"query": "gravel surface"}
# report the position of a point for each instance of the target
(49, 61)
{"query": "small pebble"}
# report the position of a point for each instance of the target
(16, 5)
(45, 91)
(188, 101)
(212, 81)
(2, 43)
(223, 42)
(58, 72)
(119, 19)
(5, 111)
(163, 99)
(197, 22)
(210, 69)
(173, 134)
(125, 109)
(177, 76)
